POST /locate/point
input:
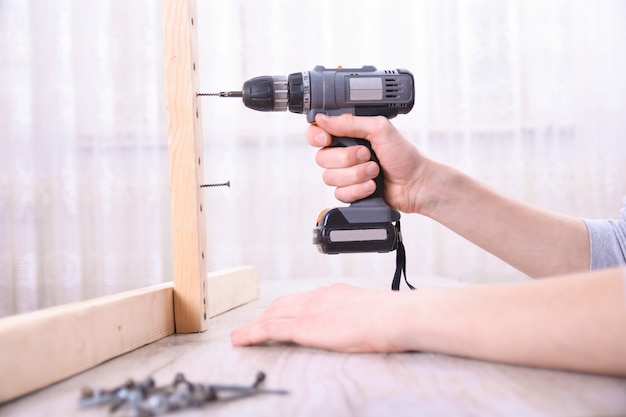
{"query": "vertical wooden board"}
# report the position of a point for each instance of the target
(186, 171)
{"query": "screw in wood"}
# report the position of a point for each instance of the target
(221, 184)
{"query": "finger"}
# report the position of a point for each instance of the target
(282, 308)
(355, 192)
(342, 157)
(352, 175)
(317, 137)
(276, 330)
(353, 126)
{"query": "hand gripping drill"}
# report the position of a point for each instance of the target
(366, 225)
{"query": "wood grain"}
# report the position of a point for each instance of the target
(46, 346)
(230, 288)
(186, 167)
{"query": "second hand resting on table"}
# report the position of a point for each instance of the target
(575, 320)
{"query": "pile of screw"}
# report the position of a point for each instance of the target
(145, 399)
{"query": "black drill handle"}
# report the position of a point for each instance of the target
(341, 141)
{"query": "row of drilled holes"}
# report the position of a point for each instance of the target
(199, 164)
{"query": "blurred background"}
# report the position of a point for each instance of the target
(528, 96)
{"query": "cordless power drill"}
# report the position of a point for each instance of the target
(367, 225)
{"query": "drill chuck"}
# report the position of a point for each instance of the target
(266, 93)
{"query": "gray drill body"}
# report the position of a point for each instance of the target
(364, 91)
(366, 225)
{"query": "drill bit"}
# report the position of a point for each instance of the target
(224, 94)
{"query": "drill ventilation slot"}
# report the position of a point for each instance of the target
(393, 88)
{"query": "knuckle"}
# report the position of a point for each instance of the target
(341, 195)
(327, 177)
(359, 175)
(370, 170)
(276, 307)
(267, 327)
(319, 158)
(346, 157)
(380, 123)
(379, 126)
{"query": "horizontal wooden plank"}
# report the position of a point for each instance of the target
(230, 288)
(46, 346)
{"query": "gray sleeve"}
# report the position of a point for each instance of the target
(608, 241)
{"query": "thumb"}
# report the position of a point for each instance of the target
(362, 127)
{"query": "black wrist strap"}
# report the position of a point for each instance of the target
(400, 263)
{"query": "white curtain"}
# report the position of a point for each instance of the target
(528, 96)
(84, 196)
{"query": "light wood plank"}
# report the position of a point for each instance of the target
(186, 168)
(231, 288)
(46, 346)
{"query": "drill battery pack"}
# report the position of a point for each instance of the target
(357, 229)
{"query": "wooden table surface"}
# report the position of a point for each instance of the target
(334, 384)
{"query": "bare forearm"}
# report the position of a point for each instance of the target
(575, 322)
(537, 242)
